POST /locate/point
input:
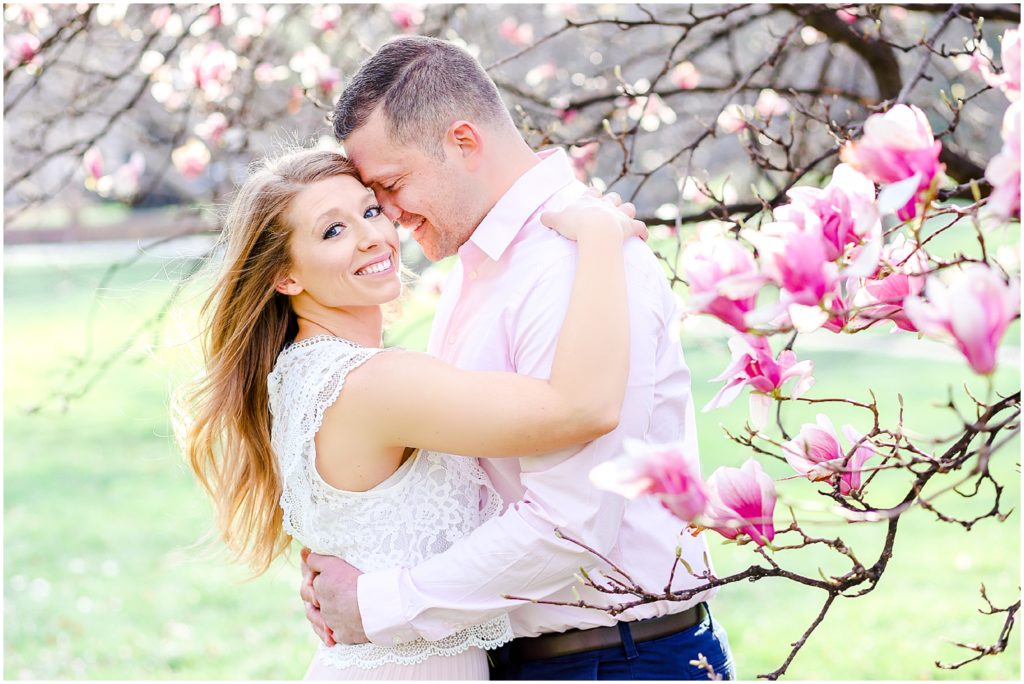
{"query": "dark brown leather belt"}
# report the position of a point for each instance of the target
(581, 640)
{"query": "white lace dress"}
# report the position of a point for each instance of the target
(432, 500)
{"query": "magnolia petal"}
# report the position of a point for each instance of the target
(731, 370)
(807, 318)
(765, 316)
(895, 196)
(611, 476)
(741, 350)
(852, 181)
(926, 318)
(760, 407)
(866, 262)
(794, 453)
(801, 370)
(741, 285)
(726, 395)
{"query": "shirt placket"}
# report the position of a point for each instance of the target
(458, 322)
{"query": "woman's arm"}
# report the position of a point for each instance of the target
(412, 399)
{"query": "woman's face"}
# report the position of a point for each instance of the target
(344, 249)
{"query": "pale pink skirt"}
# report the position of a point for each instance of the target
(468, 665)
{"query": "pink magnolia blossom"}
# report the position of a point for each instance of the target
(897, 146)
(652, 112)
(770, 104)
(796, 260)
(742, 501)
(21, 48)
(540, 74)
(845, 209)
(567, 10)
(817, 454)
(846, 16)
(125, 181)
(973, 313)
(160, 16)
(406, 17)
(839, 306)
(881, 296)
(92, 161)
(584, 158)
(1003, 171)
(35, 15)
(257, 20)
(191, 159)
(325, 17)
(753, 365)
(210, 67)
(685, 75)
(734, 118)
(266, 73)
(723, 278)
(976, 54)
(663, 471)
(212, 129)
(316, 72)
(514, 32)
(1009, 80)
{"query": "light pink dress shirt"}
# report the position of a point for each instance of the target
(502, 310)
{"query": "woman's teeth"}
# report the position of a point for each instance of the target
(378, 267)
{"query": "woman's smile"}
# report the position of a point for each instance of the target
(384, 265)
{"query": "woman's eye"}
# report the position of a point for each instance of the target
(373, 212)
(332, 231)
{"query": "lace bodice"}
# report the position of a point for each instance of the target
(432, 500)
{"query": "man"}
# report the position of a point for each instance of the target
(427, 129)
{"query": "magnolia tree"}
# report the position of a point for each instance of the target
(800, 167)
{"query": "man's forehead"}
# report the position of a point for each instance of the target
(374, 163)
(375, 155)
(374, 169)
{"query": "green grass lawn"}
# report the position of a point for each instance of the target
(101, 580)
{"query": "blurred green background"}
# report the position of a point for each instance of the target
(102, 581)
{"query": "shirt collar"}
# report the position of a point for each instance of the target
(504, 221)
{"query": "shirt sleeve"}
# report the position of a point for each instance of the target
(518, 552)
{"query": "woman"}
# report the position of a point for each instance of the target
(368, 473)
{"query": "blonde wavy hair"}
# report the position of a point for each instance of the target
(246, 325)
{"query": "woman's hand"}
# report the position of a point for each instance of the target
(595, 212)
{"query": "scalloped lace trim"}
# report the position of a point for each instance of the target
(488, 635)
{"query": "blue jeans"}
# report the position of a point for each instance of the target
(665, 658)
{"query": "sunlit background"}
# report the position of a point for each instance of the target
(126, 128)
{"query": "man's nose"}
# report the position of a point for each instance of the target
(391, 210)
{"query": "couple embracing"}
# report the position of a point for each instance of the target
(428, 488)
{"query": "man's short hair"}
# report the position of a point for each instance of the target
(423, 85)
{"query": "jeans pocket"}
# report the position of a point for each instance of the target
(713, 645)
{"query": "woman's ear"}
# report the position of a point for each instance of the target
(287, 285)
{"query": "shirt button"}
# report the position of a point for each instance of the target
(472, 275)
(451, 339)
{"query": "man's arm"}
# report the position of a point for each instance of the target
(517, 553)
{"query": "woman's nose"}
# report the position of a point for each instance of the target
(372, 233)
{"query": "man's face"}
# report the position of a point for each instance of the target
(432, 198)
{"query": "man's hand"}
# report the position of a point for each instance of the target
(329, 591)
(309, 599)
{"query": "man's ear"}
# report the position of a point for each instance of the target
(466, 138)
(287, 285)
